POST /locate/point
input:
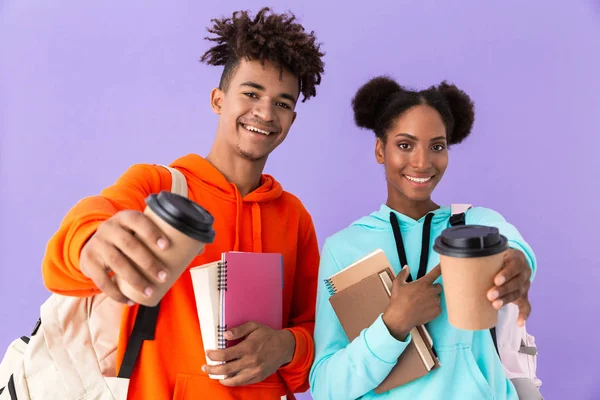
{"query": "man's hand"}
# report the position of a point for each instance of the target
(260, 354)
(512, 284)
(118, 247)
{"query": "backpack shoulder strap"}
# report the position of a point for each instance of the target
(459, 208)
(143, 329)
(145, 321)
(458, 214)
(178, 182)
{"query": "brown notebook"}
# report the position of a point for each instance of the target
(373, 262)
(359, 304)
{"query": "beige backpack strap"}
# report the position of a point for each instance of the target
(179, 183)
(458, 216)
(459, 208)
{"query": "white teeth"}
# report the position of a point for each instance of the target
(418, 180)
(253, 129)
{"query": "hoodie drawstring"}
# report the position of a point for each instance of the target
(256, 229)
(238, 216)
(256, 224)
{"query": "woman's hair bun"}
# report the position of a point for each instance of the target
(370, 100)
(462, 109)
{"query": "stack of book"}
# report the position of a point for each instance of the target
(241, 287)
(359, 294)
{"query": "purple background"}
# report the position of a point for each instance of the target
(87, 89)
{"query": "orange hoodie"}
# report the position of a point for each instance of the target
(266, 220)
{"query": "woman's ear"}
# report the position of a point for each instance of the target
(380, 151)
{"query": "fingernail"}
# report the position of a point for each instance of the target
(498, 303)
(148, 291)
(500, 280)
(162, 276)
(204, 368)
(161, 243)
(493, 295)
(228, 335)
(130, 303)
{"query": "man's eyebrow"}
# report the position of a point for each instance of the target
(253, 85)
(260, 87)
(288, 97)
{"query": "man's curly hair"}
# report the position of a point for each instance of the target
(277, 38)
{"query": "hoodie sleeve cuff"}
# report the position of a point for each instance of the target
(382, 344)
(303, 353)
(78, 238)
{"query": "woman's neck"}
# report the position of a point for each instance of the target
(415, 209)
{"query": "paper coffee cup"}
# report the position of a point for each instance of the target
(470, 257)
(188, 227)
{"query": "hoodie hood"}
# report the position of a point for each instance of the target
(198, 168)
(380, 219)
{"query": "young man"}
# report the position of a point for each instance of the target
(269, 61)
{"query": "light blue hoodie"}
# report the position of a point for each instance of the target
(470, 367)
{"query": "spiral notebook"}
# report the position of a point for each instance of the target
(205, 281)
(251, 289)
(241, 287)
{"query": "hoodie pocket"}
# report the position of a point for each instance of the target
(200, 386)
(459, 377)
(475, 372)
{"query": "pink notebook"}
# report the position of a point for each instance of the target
(251, 286)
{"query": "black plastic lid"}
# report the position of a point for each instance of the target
(467, 241)
(183, 214)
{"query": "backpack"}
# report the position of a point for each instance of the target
(516, 348)
(71, 353)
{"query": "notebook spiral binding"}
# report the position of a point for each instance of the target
(222, 275)
(222, 287)
(221, 341)
(330, 286)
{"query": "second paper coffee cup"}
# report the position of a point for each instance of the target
(188, 227)
(470, 258)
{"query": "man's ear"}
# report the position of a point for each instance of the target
(216, 100)
(293, 118)
(379, 151)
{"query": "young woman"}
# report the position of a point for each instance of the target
(414, 130)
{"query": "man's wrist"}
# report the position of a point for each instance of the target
(289, 345)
